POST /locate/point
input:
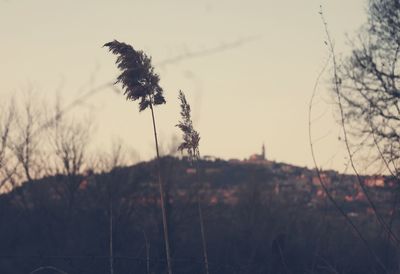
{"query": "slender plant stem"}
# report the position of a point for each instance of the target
(202, 230)
(162, 194)
(111, 233)
(147, 252)
(203, 238)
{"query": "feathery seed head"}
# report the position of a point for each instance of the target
(138, 79)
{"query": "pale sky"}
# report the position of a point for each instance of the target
(254, 92)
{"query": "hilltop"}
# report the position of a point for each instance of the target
(250, 208)
(220, 181)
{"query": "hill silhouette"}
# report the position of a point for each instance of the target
(262, 217)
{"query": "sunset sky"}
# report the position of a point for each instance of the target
(252, 84)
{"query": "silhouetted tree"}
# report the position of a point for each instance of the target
(363, 95)
(26, 139)
(369, 81)
(6, 122)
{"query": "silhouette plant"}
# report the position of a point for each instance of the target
(140, 82)
(190, 143)
(191, 138)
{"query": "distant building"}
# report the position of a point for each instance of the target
(234, 161)
(256, 158)
(326, 179)
(375, 181)
(209, 158)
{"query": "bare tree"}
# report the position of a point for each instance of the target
(70, 144)
(6, 123)
(364, 97)
(366, 89)
(25, 142)
(369, 81)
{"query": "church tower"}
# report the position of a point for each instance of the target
(258, 158)
(263, 151)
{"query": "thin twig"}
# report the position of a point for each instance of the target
(346, 139)
(322, 183)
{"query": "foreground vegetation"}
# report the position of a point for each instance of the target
(259, 232)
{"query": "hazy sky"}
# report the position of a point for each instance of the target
(242, 94)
